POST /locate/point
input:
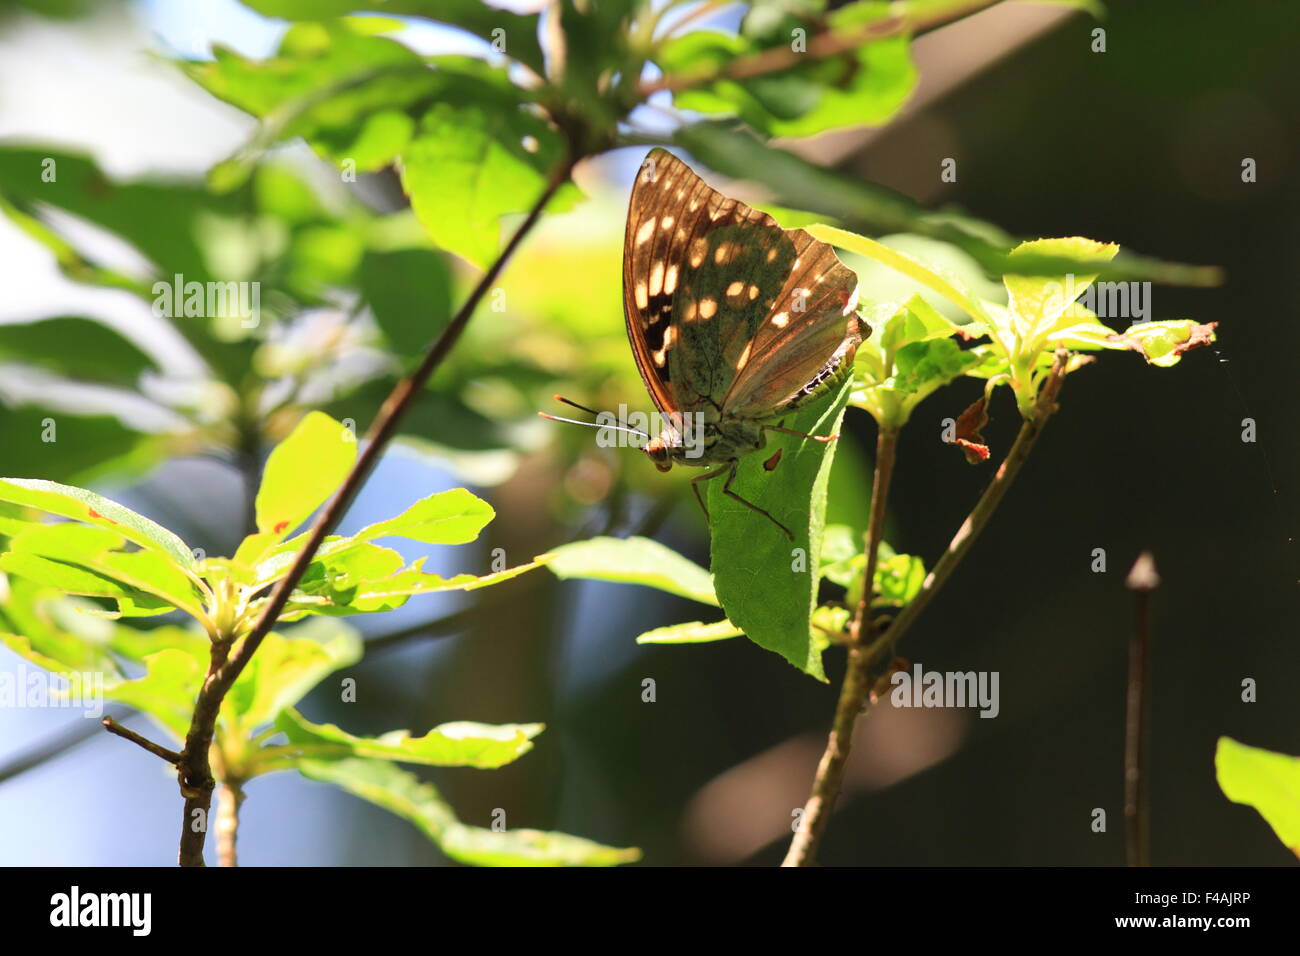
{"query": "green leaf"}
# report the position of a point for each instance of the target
(400, 792)
(898, 580)
(302, 472)
(409, 291)
(1163, 343)
(693, 632)
(49, 630)
(68, 578)
(66, 541)
(137, 644)
(447, 517)
(519, 30)
(634, 561)
(94, 549)
(767, 583)
(366, 578)
(167, 690)
(285, 668)
(79, 504)
(1267, 781)
(1039, 300)
(468, 167)
(864, 86)
(463, 743)
(75, 348)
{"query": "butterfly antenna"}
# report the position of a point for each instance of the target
(592, 411)
(574, 421)
(573, 404)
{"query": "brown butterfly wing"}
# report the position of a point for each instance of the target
(808, 336)
(703, 275)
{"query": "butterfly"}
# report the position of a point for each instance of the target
(734, 322)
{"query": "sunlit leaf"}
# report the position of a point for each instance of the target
(287, 666)
(692, 632)
(302, 472)
(634, 561)
(463, 743)
(1267, 781)
(67, 501)
(402, 793)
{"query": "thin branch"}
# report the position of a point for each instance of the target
(158, 750)
(820, 47)
(195, 770)
(862, 658)
(853, 691)
(1142, 580)
(1026, 438)
(228, 806)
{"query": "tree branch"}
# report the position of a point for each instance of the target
(1026, 438)
(1141, 580)
(158, 750)
(862, 658)
(232, 798)
(853, 691)
(195, 769)
(820, 47)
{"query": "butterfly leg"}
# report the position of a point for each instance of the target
(695, 487)
(726, 490)
(787, 431)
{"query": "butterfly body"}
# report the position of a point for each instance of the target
(734, 321)
(721, 442)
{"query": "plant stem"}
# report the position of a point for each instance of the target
(1026, 438)
(195, 768)
(232, 798)
(853, 692)
(830, 771)
(158, 750)
(1142, 580)
(822, 46)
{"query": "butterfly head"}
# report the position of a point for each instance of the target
(658, 451)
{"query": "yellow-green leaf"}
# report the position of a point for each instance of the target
(302, 472)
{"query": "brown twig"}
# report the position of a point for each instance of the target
(823, 45)
(232, 798)
(195, 769)
(158, 750)
(1026, 438)
(853, 692)
(1141, 580)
